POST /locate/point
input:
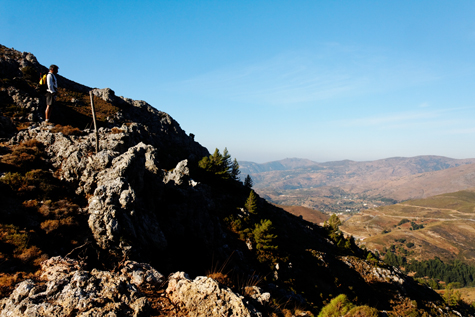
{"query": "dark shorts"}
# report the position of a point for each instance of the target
(49, 99)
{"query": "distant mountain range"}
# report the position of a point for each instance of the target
(301, 181)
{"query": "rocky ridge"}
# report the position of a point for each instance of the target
(148, 202)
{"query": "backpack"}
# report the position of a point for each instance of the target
(43, 86)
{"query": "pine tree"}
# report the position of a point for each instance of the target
(225, 160)
(251, 203)
(221, 165)
(248, 181)
(334, 222)
(235, 170)
(263, 235)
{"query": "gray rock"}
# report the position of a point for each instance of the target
(71, 291)
(125, 183)
(204, 297)
(180, 175)
(114, 211)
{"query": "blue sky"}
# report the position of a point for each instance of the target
(322, 80)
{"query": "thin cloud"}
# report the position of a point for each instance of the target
(281, 80)
(462, 131)
(422, 119)
(306, 77)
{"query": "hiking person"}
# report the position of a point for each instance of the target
(51, 91)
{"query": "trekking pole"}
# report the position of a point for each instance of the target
(94, 119)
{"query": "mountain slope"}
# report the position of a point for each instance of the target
(305, 173)
(348, 185)
(78, 225)
(420, 185)
(445, 226)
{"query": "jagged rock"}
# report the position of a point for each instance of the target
(371, 273)
(141, 273)
(204, 297)
(125, 182)
(179, 175)
(256, 293)
(114, 209)
(24, 101)
(70, 291)
(105, 94)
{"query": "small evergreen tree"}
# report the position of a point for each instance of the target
(251, 203)
(235, 170)
(452, 297)
(263, 236)
(334, 222)
(248, 181)
(226, 159)
(221, 165)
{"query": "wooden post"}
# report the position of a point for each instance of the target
(94, 119)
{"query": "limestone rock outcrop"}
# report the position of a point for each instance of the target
(126, 182)
(70, 291)
(203, 296)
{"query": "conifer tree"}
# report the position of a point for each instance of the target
(334, 222)
(263, 235)
(235, 170)
(225, 160)
(248, 181)
(221, 165)
(251, 203)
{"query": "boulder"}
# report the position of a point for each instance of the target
(203, 296)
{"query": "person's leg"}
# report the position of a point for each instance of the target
(47, 113)
(49, 105)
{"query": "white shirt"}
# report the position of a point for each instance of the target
(52, 83)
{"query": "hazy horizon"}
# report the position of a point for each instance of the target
(340, 160)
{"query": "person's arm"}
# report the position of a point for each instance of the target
(50, 82)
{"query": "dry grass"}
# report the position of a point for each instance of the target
(308, 214)
(116, 130)
(217, 272)
(67, 130)
(468, 294)
(81, 103)
(24, 155)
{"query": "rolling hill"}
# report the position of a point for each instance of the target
(442, 226)
(348, 185)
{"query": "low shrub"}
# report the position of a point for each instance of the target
(363, 311)
(25, 155)
(13, 235)
(29, 254)
(66, 130)
(50, 225)
(338, 307)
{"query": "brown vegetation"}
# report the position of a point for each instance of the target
(38, 221)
